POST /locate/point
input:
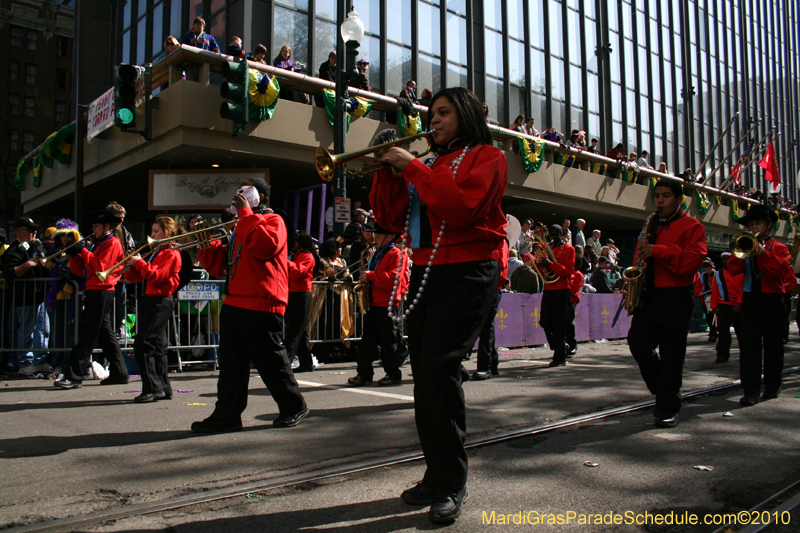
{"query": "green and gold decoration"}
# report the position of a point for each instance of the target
(263, 90)
(531, 159)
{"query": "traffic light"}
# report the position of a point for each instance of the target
(125, 96)
(235, 89)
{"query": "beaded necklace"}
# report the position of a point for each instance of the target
(454, 166)
(234, 259)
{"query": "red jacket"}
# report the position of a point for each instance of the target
(258, 278)
(679, 251)
(384, 275)
(698, 283)
(733, 282)
(104, 254)
(162, 273)
(575, 284)
(503, 268)
(777, 275)
(564, 267)
(301, 271)
(470, 205)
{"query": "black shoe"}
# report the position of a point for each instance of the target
(389, 380)
(146, 398)
(115, 380)
(447, 508)
(770, 394)
(572, 351)
(554, 364)
(358, 381)
(464, 374)
(163, 395)
(301, 369)
(289, 421)
(748, 400)
(480, 375)
(670, 422)
(216, 425)
(721, 359)
(495, 371)
(67, 384)
(420, 494)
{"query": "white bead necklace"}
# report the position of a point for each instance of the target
(406, 237)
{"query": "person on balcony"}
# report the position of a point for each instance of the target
(199, 38)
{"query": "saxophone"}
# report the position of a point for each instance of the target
(362, 290)
(634, 275)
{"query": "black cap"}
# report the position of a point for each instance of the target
(383, 231)
(758, 212)
(26, 222)
(556, 229)
(106, 217)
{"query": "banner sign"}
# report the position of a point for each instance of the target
(199, 291)
(198, 189)
(101, 115)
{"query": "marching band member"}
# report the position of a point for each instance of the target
(379, 327)
(726, 305)
(674, 250)
(450, 207)
(768, 277)
(575, 284)
(105, 251)
(702, 289)
(557, 300)
(160, 274)
(254, 265)
(301, 273)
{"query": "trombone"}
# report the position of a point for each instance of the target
(327, 162)
(152, 244)
(62, 254)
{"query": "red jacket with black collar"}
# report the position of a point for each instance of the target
(162, 273)
(563, 267)
(777, 275)
(104, 254)
(384, 275)
(678, 251)
(733, 284)
(301, 271)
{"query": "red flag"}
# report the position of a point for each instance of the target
(770, 164)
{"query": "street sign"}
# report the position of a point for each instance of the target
(342, 210)
(199, 291)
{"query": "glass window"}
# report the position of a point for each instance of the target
(630, 140)
(667, 84)
(643, 71)
(458, 6)
(16, 36)
(630, 100)
(216, 5)
(655, 78)
(216, 28)
(574, 36)
(516, 19)
(13, 140)
(175, 28)
(557, 87)
(495, 101)
(399, 13)
(630, 64)
(658, 127)
(538, 81)
(302, 5)
(142, 8)
(627, 20)
(665, 48)
(31, 39)
(616, 101)
(61, 79)
(327, 9)
(593, 92)
(27, 141)
(612, 16)
(30, 105)
(494, 53)
(195, 10)
(616, 133)
(614, 57)
(428, 26)
(62, 46)
(591, 45)
(536, 22)
(539, 111)
(126, 13)
(369, 11)
(646, 146)
(654, 42)
(456, 39)
(558, 115)
(575, 86)
(371, 51)
(126, 46)
(594, 126)
(516, 62)
(645, 107)
(429, 73)
(492, 16)
(30, 73)
(575, 118)
(517, 103)
(456, 75)
(60, 113)
(141, 34)
(325, 42)
(291, 27)
(13, 71)
(557, 36)
(158, 28)
(13, 104)
(398, 68)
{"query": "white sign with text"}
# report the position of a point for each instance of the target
(195, 189)
(342, 210)
(101, 115)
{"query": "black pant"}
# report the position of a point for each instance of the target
(555, 305)
(297, 313)
(244, 336)
(379, 331)
(761, 330)
(150, 344)
(488, 358)
(572, 344)
(96, 325)
(662, 322)
(442, 329)
(725, 318)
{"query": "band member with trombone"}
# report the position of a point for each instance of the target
(104, 252)
(160, 273)
(449, 209)
(255, 267)
(768, 276)
(672, 247)
(556, 270)
(378, 279)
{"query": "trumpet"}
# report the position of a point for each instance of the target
(62, 254)
(327, 162)
(745, 244)
(541, 250)
(152, 244)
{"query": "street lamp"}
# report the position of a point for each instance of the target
(352, 33)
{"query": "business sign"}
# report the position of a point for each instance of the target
(199, 291)
(101, 115)
(198, 189)
(342, 210)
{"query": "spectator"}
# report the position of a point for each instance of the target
(199, 38)
(236, 49)
(410, 91)
(171, 44)
(513, 263)
(284, 61)
(259, 54)
(525, 279)
(618, 152)
(578, 238)
(593, 244)
(632, 157)
(593, 148)
(519, 124)
(524, 242)
(327, 71)
(582, 139)
(642, 161)
(530, 129)
(20, 262)
(362, 79)
(353, 230)
(572, 142)
(663, 168)
(610, 251)
(613, 274)
(365, 243)
(486, 113)
(425, 97)
(600, 279)
(567, 234)
(581, 263)
(552, 135)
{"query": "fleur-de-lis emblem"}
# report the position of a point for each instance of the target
(502, 315)
(535, 315)
(605, 314)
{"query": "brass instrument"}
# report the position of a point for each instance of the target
(634, 275)
(152, 244)
(745, 244)
(327, 162)
(361, 290)
(62, 254)
(540, 250)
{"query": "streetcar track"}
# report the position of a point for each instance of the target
(178, 502)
